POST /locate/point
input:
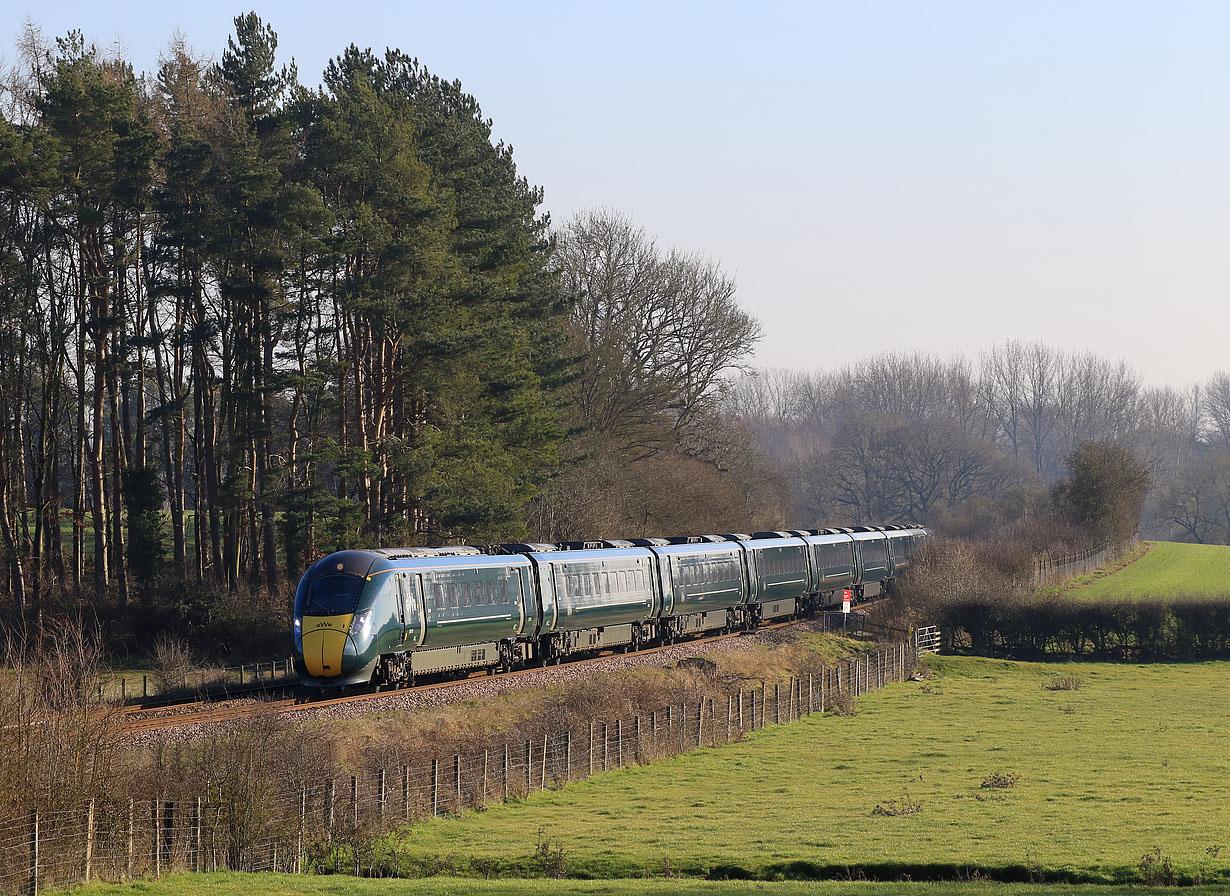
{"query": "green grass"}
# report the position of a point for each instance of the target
(1166, 570)
(233, 884)
(1134, 760)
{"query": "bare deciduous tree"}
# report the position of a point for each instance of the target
(658, 331)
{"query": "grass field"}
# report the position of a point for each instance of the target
(1104, 784)
(282, 885)
(1166, 570)
(1133, 761)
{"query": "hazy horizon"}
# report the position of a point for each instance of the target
(880, 176)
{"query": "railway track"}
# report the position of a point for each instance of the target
(143, 720)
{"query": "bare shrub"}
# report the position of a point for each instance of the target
(1063, 683)
(907, 805)
(843, 705)
(173, 663)
(1001, 780)
(549, 856)
(58, 742)
(1156, 870)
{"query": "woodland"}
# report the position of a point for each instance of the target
(245, 322)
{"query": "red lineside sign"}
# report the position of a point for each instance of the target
(845, 601)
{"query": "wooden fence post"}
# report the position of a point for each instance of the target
(435, 787)
(640, 755)
(330, 807)
(381, 793)
(606, 749)
(529, 767)
(591, 748)
(89, 839)
(543, 784)
(405, 793)
(131, 825)
(504, 772)
(568, 754)
(619, 743)
(156, 822)
(301, 851)
(457, 780)
(354, 803)
(198, 821)
(32, 889)
(730, 705)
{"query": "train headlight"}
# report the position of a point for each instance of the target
(299, 633)
(361, 627)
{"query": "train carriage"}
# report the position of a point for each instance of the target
(903, 541)
(834, 568)
(704, 585)
(392, 614)
(779, 573)
(594, 598)
(873, 562)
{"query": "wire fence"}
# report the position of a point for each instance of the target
(335, 823)
(159, 686)
(1055, 570)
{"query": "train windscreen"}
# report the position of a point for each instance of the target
(333, 595)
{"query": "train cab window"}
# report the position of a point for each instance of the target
(334, 594)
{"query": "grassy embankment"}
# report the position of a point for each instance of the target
(1165, 570)
(235, 884)
(1120, 780)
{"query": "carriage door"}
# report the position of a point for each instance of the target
(405, 602)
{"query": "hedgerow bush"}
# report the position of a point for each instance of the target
(1137, 629)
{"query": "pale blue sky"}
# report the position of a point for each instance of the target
(909, 175)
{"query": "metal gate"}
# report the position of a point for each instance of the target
(927, 639)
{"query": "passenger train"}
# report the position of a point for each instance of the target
(386, 617)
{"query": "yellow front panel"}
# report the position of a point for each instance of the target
(324, 637)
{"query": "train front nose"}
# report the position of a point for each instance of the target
(324, 644)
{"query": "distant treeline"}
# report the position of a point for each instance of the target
(962, 443)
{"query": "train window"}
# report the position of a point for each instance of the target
(597, 583)
(503, 589)
(450, 591)
(437, 595)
